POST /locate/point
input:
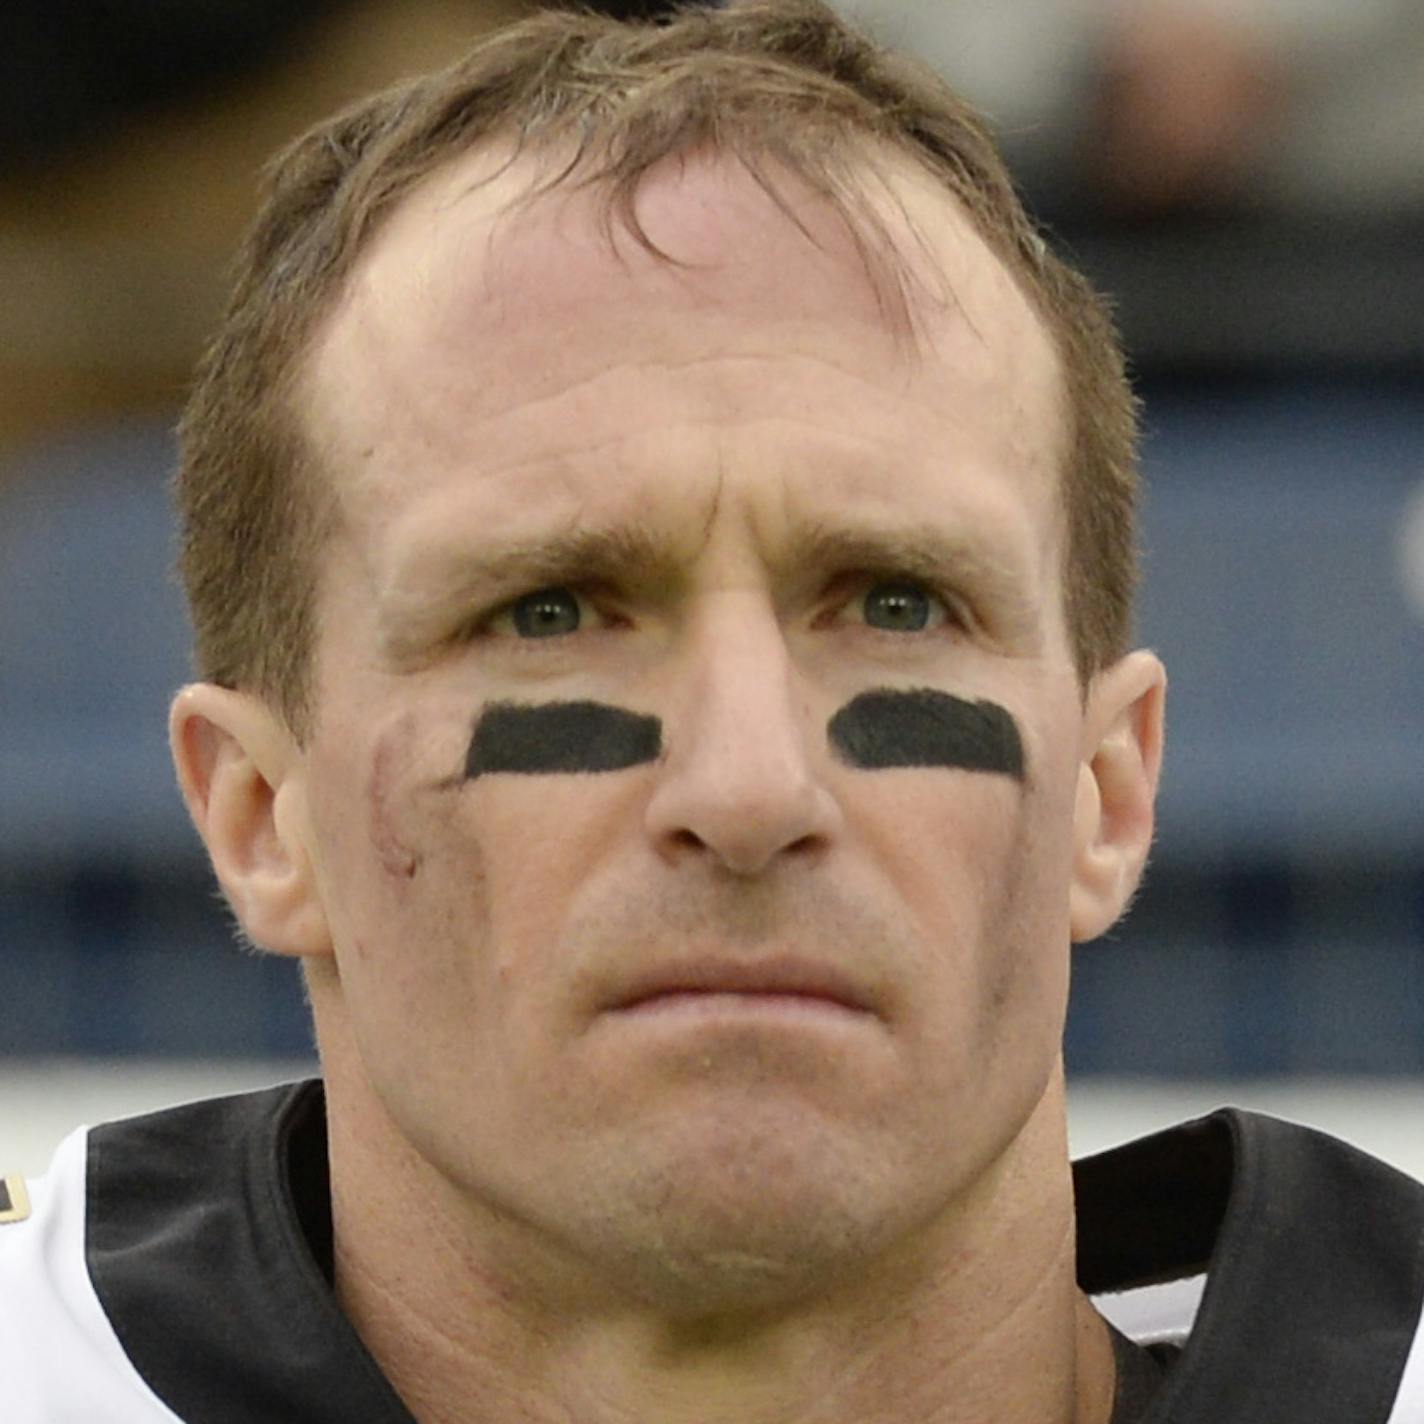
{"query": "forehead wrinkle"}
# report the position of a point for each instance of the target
(367, 486)
(364, 311)
(340, 438)
(428, 540)
(501, 296)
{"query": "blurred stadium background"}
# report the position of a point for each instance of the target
(1245, 177)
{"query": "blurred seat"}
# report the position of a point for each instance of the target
(1276, 592)
(93, 643)
(113, 940)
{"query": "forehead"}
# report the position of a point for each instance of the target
(481, 323)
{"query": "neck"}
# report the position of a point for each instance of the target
(978, 1318)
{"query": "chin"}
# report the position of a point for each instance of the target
(691, 1273)
(752, 1227)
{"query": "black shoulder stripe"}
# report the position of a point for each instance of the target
(196, 1252)
(1315, 1279)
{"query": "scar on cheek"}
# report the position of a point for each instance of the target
(396, 858)
(924, 727)
(555, 737)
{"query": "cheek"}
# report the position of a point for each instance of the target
(434, 878)
(398, 851)
(399, 867)
(982, 865)
(946, 841)
(1027, 945)
(544, 839)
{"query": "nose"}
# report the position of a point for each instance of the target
(740, 782)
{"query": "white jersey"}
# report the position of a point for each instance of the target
(177, 1267)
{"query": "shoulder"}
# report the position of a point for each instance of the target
(1289, 1265)
(120, 1231)
(59, 1358)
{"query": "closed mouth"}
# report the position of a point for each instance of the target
(783, 982)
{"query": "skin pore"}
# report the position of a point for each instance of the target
(724, 1084)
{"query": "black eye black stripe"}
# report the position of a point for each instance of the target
(561, 737)
(924, 727)
(876, 730)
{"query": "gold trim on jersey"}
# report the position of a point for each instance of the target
(14, 1200)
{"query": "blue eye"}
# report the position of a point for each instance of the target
(546, 614)
(897, 607)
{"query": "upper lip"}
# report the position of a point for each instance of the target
(781, 974)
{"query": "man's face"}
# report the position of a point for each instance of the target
(640, 562)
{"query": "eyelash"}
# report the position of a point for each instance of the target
(589, 596)
(860, 584)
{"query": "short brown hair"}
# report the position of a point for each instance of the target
(781, 80)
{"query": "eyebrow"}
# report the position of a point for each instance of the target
(929, 555)
(635, 555)
(466, 578)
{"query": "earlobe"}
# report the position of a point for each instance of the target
(241, 775)
(1117, 791)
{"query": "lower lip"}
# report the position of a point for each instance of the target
(704, 1003)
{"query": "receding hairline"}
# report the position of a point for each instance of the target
(784, 77)
(898, 257)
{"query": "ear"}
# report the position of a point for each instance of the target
(1117, 791)
(241, 773)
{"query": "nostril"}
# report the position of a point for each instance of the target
(739, 784)
(745, 844)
